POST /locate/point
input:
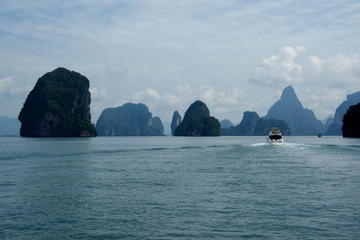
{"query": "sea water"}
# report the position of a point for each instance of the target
(179, 188)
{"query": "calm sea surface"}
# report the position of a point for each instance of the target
(179, 188)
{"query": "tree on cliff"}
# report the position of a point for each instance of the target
(58, 106)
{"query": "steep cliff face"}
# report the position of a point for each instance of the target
(197, 122)
(129, 120)
(301, 121)
(176, 120)
(253, 125)
(58, 106)
(351, 122)
(157, 124)
(335, 127)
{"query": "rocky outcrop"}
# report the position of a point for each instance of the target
(58, 106)
(225, 123)
(129, 120)
(302, 121)
(9, 126)
(157, 124)
(351, 122)
(176, 120)
(253, 125)
(198, 122)
(335, 127)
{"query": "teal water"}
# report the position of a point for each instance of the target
(179, 188)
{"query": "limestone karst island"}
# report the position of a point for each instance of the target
(59, 106)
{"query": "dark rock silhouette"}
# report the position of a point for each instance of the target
(9, 126)
(197, 122)
(157, 124)
(58, 106)
(301, 121)
(129, 120)
(253, 125)
(176, 120)
(351, 122)
(226, 123)
(335, 127)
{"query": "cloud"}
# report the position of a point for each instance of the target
(157, 101)
(217, 97)
(12, 87)
(339, 70)
(149, 93)
(129, 48)
(98, 94)
(5, 83)
(280, 69)
(322, 83)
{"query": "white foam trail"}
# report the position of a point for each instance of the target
(284, 144)
(259, 144)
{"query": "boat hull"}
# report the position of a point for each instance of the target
(275, 141)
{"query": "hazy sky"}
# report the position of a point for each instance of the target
(234, 55)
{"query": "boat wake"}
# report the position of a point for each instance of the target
(283, 144)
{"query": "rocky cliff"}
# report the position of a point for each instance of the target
(351, 122)
(302, 121)
(176, 120)
(335, 127)
(58, 106)
(129, 120)
(253, 125)
(198, 122)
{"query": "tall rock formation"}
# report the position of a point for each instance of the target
(176, 120)
(129, 120)
(253, 125)
(197, 122)
(58, 106)
(226, 123)
(9, 126)
(335, 127)
(301, 121)
(157, 124)
(351, 122)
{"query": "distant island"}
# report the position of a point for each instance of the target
(58, 106)
(253, 125)
(176, 120)
(198, 122)
(129, 120)
(335, 127)
(226, 123)
(351, 122)
(302, 121)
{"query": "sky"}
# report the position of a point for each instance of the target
(236, 56)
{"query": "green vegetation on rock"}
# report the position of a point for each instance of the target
(197, 122)
(58, 106)
(129, 120)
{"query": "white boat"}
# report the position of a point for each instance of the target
(275, 136)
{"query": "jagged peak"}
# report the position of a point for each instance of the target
(289, 91)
